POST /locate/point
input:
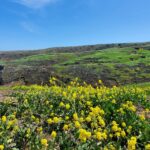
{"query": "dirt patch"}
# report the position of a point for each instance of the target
(2, 97)
(4, 94)
(141, 110)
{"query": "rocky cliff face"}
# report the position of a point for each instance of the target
(1, 79)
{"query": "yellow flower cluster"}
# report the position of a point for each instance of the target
(84, 135)
(54, 120)
(75, 116)
(118, 131)
(101, 135)
(132, 143)
(129, 105)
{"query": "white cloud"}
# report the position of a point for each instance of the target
(34, 3)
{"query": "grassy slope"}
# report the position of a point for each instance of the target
(110, 56)
(123, 63)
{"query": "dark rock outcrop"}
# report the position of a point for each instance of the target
(1, 79)
(28, 75)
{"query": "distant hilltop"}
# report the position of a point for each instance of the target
(85, 47)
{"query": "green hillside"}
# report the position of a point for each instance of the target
(115, 64)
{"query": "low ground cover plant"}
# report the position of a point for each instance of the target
(75, 117)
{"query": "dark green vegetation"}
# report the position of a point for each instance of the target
(115, 64)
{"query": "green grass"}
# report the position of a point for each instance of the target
(113, 56)
(2, 62)
(109, 56)
(57, 57)
(5, 88)
(141, 85)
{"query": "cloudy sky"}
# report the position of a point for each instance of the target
(34, 24)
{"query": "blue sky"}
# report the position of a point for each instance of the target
(34, 24)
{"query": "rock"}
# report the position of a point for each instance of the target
(1, 79)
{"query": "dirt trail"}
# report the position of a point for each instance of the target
(4, 94)
(1, 96)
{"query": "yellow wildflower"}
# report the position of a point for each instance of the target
(102, 122)
(67, 118)
(81, 119)
(114, 101)
(114, 123)
(77, 124)
(39, 129)
(4, 118)
(100, 81)
(61, 104)
(74, 95)
(53, 134)
(104, 135)
(64, 94)
(66, 127)
(56, 119)
(33, 117)
(114, 128)
(99, 136)
(117, 134)
(1, 147)
(123, 133)
(75, 116)
(132, 143)
(44, 142)
(88, 119)
(89, 103)
(123, 124)
(110, 135)
(67, 106)
(142, 117)
(84, 135)
(49, 121)
(88, 134)
(147, 147)
(112, 147)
